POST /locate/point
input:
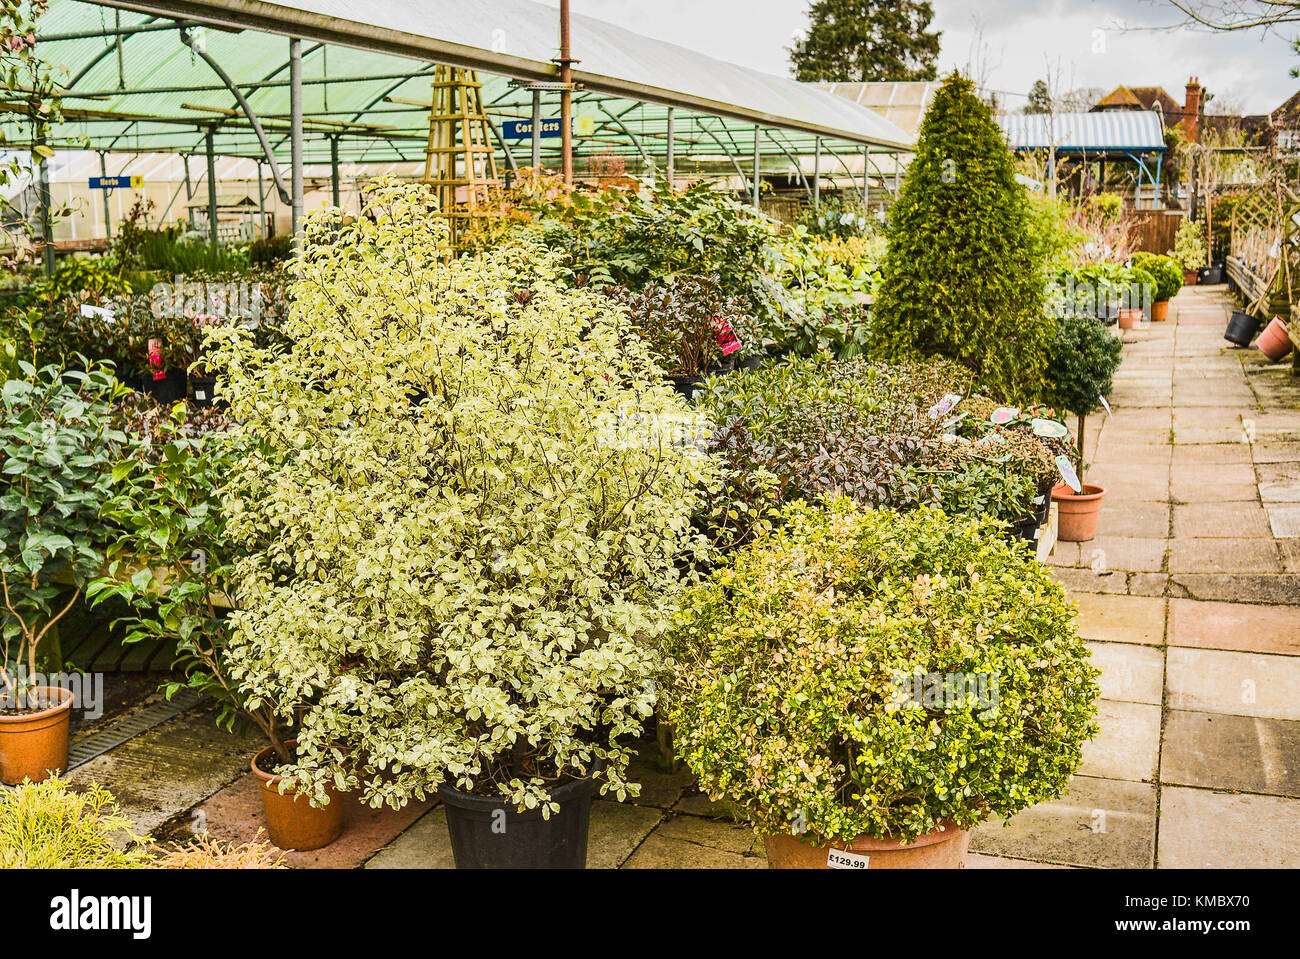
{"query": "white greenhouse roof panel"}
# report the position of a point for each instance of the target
(1107, 130)
(520, 38)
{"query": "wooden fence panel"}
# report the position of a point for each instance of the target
(1154, 230)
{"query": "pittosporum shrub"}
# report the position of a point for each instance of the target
(1166, 273)
(462, 519)
(865, 672)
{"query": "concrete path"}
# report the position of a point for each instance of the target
(1189, 596)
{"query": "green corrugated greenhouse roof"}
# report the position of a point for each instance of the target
(363, 64)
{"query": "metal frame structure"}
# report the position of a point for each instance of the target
(212, 75)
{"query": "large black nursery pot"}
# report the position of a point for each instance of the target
(204, 389)
(1029, 528)
(167, 390)
(1211, 275)
(687, 386)
(490, 833)
(1241, 328)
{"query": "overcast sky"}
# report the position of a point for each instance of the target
(1085, 43)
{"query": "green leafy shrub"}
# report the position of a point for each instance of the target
(795, 667)
(1189, 245)
(1166, 273)
(964, 275)
(838, 217)
(58, 448)
(1084, 360)
(451, 565)
(46, 825)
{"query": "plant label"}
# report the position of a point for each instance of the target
(839, 859)
(1003, 415)
(1105, 406)
(728, 342)
(944, 405)
(1050, 429)
(87, 310)
(1067, 473)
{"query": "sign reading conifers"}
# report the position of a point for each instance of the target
(523, 129)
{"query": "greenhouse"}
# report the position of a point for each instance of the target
(498, 436)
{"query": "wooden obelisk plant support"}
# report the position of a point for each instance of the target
(460, 164)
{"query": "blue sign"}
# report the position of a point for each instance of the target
(523, 129)
(115, 182)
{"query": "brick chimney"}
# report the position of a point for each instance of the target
(1192, 111)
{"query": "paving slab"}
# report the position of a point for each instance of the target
(1289, 549)
(1227, 520)
(169, 769)
(1280, 588)
(1240, 753)
(1243, 627)
(976, 861)
(690, 842)
(1128, 746)
(1142, 519)
(1241, 684)
(1121, 619)
(1223, 556)
(1287, 491)
(1099, 822)
(425, 845)
(1214, 454)
(1084, 580)
(1114, 552)
(1129, 673)
(1200, 829)
(1284, 520)
(1276, 452)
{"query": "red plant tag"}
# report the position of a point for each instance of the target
(156, 360)
(728, 342)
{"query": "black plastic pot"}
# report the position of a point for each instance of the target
(167, 390)
(1210, 275)
(1241, 328)
(687, 386)
(489, 833)
(204, 389)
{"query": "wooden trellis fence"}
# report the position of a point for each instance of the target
(1264, 260)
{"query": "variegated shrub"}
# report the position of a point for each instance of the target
(456, 566)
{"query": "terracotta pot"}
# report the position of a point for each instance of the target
(1077, 513)
(1275, 341)
(945, 848)
(33, 745)
(1129, 318)
(291, 821)
(1190, 277)
(1159, 311)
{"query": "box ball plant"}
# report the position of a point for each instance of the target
(874, 683)
(1168, 278)
(453, 563)
(1084, 360)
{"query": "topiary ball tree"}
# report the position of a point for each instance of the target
(963, 277)
(1085, 356)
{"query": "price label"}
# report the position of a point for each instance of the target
(1067, 473)
(944, 405)
(1003, 415)
(88, 311)
(839, 859)
(1105, 405)
(1050, 429)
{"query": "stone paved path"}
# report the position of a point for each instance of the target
(1189, 596)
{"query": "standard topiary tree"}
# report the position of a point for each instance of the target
(963, 277)
(1084, 360)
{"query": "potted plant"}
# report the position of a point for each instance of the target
(1084, 360)
(1168, 281)
(461, 520)
(867, 685)
(170, 562)
(57, 453)
(1135, 292)
(1189, 250)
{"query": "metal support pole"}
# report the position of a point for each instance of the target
(866, 162)
(566, 96)
(537, 129)
(103, 171)
(47, 221)
(261, 202)
(334, 169)
(758, 132)
(212, 186)
(817, 174)
(672, 152)
(295, 128)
